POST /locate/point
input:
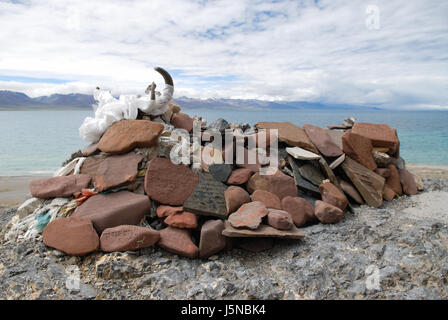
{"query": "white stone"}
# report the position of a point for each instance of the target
(28, 207)
(302, 154)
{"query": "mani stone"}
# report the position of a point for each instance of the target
(183, 220)
(74, 235)
(332, 195)
(302, 154)
(169, 183)
(182, 121)
(290, 134)
(235, 197)
(393, 181)
(300, 210)
(249, 215)
(212, 241)
(220, 172)
(239, 176)
(311, 173)
(368, 183)
(125, 135)
(359, 148)
(408, 182)
(280, 219)
(279, 184)
(301, 183)
(117, 170)
(381, 135)
(165, 211)
(59, 187)
(351, 191)
(207, 198)
(327, 213)
(178, 241)
(269, 199)
(320, 138)
(128, 238)
(114, 209)
(263, 231)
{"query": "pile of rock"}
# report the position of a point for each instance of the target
(125, 193)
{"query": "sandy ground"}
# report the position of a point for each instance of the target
(15, 190)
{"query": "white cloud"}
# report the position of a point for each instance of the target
(289, 50)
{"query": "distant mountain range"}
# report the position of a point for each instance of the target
(10, 100)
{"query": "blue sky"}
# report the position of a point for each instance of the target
(391, 54)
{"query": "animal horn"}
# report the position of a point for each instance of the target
(166, 76)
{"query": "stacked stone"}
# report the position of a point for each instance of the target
(139, 198)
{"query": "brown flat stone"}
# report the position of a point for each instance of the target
(328, 172)
(178, 241)
(300, 210)
(262, 231)
(125, 135)
(381, 135)
(336, 137)
(393, 181)
(321, 139)
(327, 213)
(311, 173)
(207, 198)
(368, 183)
(91, 164)
(388, 193)
(165, 211)
(408, 182)
(332, 195)
(114, 209)
(183, 220)
(182, 121)
(280, 219)
(235, 197)
(59, 187)
(269, 199)
(351, 191)
(74, 235)
(279, 184)
(239, 176)
(117, 170)
(169, 183)
(212, 241)
(290, 134)
(249, 215)
(359, 148)
(128, 238)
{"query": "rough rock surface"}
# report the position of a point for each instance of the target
(300, 210)
(178, 241)
(249, 215)
(183, 220)
(332, 195)
(211, 241)
(359, 148)
(235, 197)
(279, 184)
(59, 187)
(400, 247)
(269, 199)
(280, 219)
(117, 170)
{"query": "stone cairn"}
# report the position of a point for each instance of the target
(124, 193)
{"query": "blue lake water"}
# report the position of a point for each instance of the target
(37, 142)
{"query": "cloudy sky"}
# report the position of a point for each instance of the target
(391, 53)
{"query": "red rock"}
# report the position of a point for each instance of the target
(90, 149)
(184, 220)
(165, 211)
(114, 209)
(279, 184)
(169, 183)
(235, 198)
(393, 181)
(182, 121)
(332, 195)
(321, 139)
(269, 199)
(350, 190)
(381, 135)
(126, 135)
(280, 219)
(253, 164)
(59, 187)
(290, 134)
(359, 148)
(249, 215)
(74, 235)
(239, 176)
(327, 213)
(388, 193)
(212, 241)
(384, 172)
(178, 241)
(117, 170)
(408, 182)
(300, 210)
(128, 238)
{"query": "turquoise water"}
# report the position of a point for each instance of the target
(37, 142)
